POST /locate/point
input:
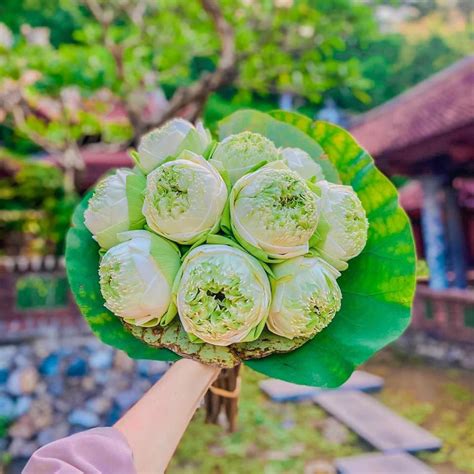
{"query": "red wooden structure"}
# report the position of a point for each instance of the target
(427, 134)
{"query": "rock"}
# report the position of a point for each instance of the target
(4, 373)
(22, 405)
(61, 405)
(73, 429)
(153, 370)
(56, 386)
(44, 347)
(99, 405)
(48, 435)
(7, 353)
(19, 448)
(22, 360)
(7, 407)
(101, 360)
(101, 377)
(319, 467)
(454, 355)
(123, 363)
(77, 367)
(335, 432)
(41, 389)
(113, 415)
(118, 382)
(128, 398)
(437, 352)
(65, 351)
(467, 362)
(143, 367)
(148, 368)
(88, 384)
(41, 411)
(50, 365)
(23, 428)
(83, 418)
(143, 384)
(22, 381)
(3, 445)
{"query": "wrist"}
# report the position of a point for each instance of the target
(192, 367)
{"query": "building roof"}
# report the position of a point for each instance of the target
(439, 105)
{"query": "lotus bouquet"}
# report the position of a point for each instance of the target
(280, 245)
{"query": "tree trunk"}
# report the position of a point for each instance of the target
(222, 399)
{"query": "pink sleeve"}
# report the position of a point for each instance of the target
(96, 451)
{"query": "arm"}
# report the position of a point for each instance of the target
(154, 426)
(143, 440)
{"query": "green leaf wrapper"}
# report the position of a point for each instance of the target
(377, 289)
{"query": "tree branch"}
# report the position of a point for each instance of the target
(225, 72)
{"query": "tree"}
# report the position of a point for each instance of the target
(434, 37)
(126, 53)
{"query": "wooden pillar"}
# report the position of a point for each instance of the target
(433, 231)
(456, 241)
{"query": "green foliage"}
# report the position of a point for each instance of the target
(456, 429)
(39, 13)
(4, 424)
(424, 44)
(33, 190)
(35, 182)
(279, 48)
(459, 393)
(41, 291)
(422, 270)
(440, 401)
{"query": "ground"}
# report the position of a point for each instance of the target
(439, 399)
(49, 389)
(287, 438)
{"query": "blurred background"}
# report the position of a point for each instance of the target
(82, 80)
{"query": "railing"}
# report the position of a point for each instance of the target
(445, 314)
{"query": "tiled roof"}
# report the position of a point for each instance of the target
(442, 103)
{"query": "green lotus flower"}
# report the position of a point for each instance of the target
(184, 199)
(273, 213)
(115, 206)
(305, 299)
(299, 161)
(136, 277)
(238, 154)
(342, 230)
(223, 295)
(170, 140)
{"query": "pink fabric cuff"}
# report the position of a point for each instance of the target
(96, 451)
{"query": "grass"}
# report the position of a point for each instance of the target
(272, 438)
(283, 438)
(440, 400)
